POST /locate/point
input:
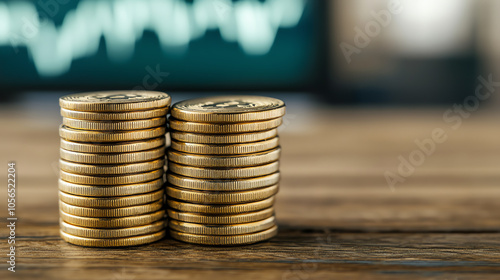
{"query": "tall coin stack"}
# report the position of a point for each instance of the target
(112, 168)
(224, 169)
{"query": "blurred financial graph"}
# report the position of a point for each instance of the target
(199, 42)
(429, 52)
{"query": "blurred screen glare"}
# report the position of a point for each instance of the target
(432, 28)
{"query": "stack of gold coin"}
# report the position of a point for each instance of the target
(112, 168)
(223, 169)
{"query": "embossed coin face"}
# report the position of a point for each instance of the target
(229, 109)
(110, 101)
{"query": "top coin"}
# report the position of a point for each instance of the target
(229, 109)
(115, 101)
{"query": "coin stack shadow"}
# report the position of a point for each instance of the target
(223, 169)
(111, 186)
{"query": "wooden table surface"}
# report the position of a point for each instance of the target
(338, 217)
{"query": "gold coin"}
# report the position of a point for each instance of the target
(221, 209)
(113, 125)
(107, 169)
(122, 222)
(221, 219)
(224, 173)
(239, 239)
(111, 179)
(113, 158)
(111, 212)
(111, 202)
(115, 116)
(225, 160)
(235, 229)
(226, 149)
(229, 109)
(225, 184)
(115, 101)
(223, 138)
(111, 233)
(221, 197)
(109, 148)
(113, 242)
(222, 128)
(79, 135)
(117, 190)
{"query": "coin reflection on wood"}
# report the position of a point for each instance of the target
(224, 169)
(112, 165)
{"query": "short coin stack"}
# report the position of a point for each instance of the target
(112, 168)
(224, 169)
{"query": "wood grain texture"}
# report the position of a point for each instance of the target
(338, 217)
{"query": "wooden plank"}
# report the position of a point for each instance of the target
(295, 254)
(338, 217)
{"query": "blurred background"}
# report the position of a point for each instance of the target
(339, 51)
(365, 83)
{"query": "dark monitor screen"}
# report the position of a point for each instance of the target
(155, 44)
